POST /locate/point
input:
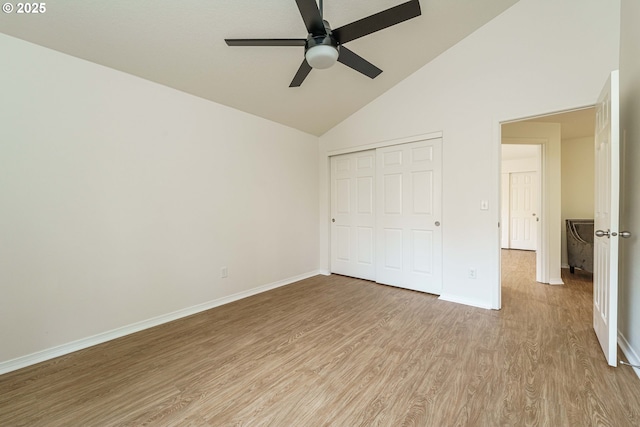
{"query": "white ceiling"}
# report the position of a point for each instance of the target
(180, 44)
(573, 124)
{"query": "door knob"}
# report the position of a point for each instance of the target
(437, 223)
(333, 220)
(625, 234)
(601, 233)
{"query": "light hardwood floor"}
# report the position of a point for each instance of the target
(336, 351)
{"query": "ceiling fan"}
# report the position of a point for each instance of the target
(324, 46)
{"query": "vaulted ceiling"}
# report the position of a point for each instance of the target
(180, 44)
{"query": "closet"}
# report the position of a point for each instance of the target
(386, 215)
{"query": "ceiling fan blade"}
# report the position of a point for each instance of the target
(358, 63)
(302, 74)
(311, 17)
(377, 22)
(265, 42)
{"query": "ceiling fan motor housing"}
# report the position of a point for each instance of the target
(326, 39)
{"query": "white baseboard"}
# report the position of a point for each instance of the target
(61, 350)
(465, 301)
(556, 281)
(324, 272)
(629, 352)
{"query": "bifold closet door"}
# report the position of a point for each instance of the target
(352, 214)
(408, 215)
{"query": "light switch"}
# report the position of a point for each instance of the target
(484, 205)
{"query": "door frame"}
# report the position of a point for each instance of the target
(498, 121)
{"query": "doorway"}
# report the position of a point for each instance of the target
(566, 180)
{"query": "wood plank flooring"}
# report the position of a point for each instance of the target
(336, 351)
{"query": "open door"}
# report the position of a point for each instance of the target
(607, 198)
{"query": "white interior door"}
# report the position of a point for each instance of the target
(607, 197)
(352, 214)
(408, 231)
(522, 211)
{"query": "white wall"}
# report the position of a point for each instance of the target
(578, 179)
(520, 165)
(121, 200)
(536, 57)
(629, 291)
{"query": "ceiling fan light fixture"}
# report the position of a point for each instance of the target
(321, 56)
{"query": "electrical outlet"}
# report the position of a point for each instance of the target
(224, 272)
(473, 273)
